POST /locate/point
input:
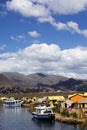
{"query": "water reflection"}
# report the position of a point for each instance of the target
(53, 125)
(21, 119)
(13, 119)
(65, 126)
(82, 126)
(44, 125)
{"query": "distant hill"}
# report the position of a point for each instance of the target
(16, 78)
(4, 81)
(34, 79)
(39, 82)
(40, 78)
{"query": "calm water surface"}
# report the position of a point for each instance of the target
(21, 119)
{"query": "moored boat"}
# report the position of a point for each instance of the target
(43, 113)
(12, 103)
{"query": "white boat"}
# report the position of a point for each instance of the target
(43, 112)
(12, 103)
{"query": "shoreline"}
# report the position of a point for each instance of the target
(69, 120)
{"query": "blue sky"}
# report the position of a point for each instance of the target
(48, 36)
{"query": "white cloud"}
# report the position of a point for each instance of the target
(43, 11)
(59, 25)
(84, 32)
(64, 6)
(2, 47)
(73, 27)
(70, 26)
(2, 10)
(18, 37)
(67, 6)
(3, 13)
(34, 34)
(46, 58)
(41, 8)
(27, 8)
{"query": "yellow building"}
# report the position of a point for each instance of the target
(85, 94)
(57, 98)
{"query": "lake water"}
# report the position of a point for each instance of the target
(21, 119)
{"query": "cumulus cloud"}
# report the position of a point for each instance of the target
(27, 8)
(68, 6)
(43, 11)
(64, 6)
(34, 34)
(44, 8)
(46, 58)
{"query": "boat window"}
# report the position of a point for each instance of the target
(9, 103)
(47, 111)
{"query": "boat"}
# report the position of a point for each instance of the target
(43, 113)
(12, 103)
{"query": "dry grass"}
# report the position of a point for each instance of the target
(30, 95)
(70, 120)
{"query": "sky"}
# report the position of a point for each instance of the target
(44, 36)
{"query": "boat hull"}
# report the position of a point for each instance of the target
(43, 116)
(15, 105)
(12, 103)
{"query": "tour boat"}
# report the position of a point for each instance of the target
(12, 103)
(43, 113)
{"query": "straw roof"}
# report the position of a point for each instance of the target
(58, 98)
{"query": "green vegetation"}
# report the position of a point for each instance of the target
(65, 113)
(57, 110)
(74, 115)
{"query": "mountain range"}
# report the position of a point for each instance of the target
(13, 82)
